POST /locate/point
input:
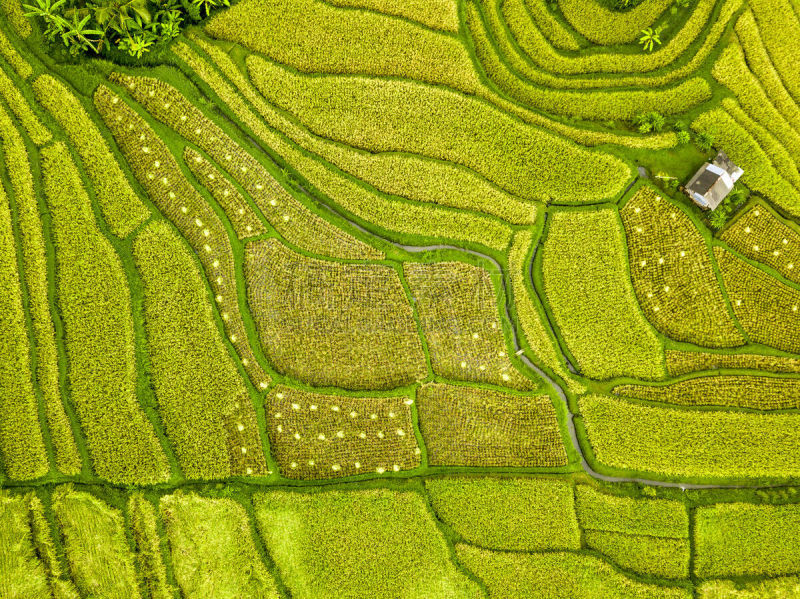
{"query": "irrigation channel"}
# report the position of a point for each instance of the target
(520, 352)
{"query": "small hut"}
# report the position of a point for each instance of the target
(713, 182)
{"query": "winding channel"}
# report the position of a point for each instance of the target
(520, 352)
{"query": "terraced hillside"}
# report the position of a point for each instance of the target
(371, 298)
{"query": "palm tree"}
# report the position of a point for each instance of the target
(651, 37)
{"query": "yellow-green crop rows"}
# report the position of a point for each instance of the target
(326, 299)
(330, 323)
(740, 391)
(315, 436)
(672, 273)
(470, 426)
(586, 284)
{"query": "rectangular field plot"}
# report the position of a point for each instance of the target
(777, 588)
(756, 392)
(768, 310)
(100, 560)
(519, 514)
(290, 218)
(672, 273)
(739, 539)
(332, 324)
(356, 544)
(655, 556)
(629, 515)
(160, 174)
(679, 362)
(681, 442)
(458, 311)
(586, 282)
(144, 530)
(557, 575)
(203, 402)
(314, 436)
(212, 548)
(759, 235)
(469, 426)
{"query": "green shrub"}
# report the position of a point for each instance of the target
(586, 282)
(159, 173)
(458, 312)
(100, 560)
(22, 446)
(353, 321)
(121, 207)
(34, 261)
(713, 444)
(630, 515)
(556, 575)
(355, 544)
(672, 273)
(95, 303)
(739, 539)
(767, 309)
(516, 514)
(317, 436)
(208, 416)
(213, 549)
(472, 426)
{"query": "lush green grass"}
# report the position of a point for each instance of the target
(679, 362)
(22, 575)
(34, 263)
(391, 115)
(202, 400)
(738, 539)
(354, 544)
(523, 14)
(317, 436)
(756, 392)
(690, 443)
(521, 514)
(13, 57)
(630, 515)
(122, 209)
(556, 575)
(21, 442)
(22, 110)
(768, 310)
(586, 282)
(672, 273)
(437, 14)
(94, 298)
(458, 313)
(779, 25)
(771, 588)
(352, 321)
(213, 550)
(470, 426)
(661, 557)
(100, 560)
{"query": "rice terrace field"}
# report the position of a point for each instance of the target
(399, 299)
